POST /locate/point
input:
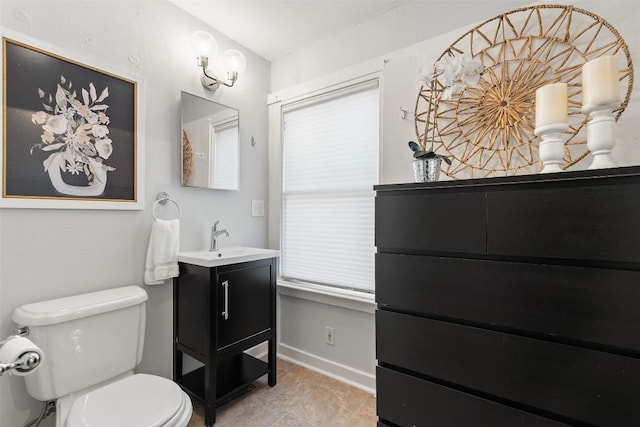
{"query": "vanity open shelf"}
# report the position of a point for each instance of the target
(235, 376)
(219, 313)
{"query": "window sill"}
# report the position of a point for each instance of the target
(344, 298)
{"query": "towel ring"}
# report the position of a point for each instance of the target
(163, 198)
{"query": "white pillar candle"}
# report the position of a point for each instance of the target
(551, 104)
(600, 81)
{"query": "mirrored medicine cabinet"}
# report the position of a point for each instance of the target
(210, 144)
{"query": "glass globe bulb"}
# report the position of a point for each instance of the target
(234, 61)
(203, 44)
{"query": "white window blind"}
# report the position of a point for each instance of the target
(330, 165)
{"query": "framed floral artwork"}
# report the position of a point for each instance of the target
(71, 132)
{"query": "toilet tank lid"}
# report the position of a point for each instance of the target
(69, 308)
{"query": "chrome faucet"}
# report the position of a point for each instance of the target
(214, 236)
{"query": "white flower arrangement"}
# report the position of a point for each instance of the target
(457, 71)
(76, 130)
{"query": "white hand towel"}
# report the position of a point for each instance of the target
(162, 254)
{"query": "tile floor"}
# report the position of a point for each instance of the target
(301, 398)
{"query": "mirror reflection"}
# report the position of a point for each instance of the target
(210, 147)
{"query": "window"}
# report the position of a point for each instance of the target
(330, 165)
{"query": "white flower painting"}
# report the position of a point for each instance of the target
(75, 130)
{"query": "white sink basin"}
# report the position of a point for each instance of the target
(225, 256)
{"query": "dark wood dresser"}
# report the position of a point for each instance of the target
(511, 301)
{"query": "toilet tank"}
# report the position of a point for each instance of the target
(86, 339)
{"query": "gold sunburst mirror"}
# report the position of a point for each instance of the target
(487, 129)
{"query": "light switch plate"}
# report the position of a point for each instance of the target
(257, 208)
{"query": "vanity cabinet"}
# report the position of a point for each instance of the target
(219, 312)
(509, 301)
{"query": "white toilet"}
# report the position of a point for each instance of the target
(91, 344)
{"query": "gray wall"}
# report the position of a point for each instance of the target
(396, 29)
(54, 253)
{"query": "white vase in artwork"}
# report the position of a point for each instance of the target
(95, 188)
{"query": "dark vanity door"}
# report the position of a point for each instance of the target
(244, 308)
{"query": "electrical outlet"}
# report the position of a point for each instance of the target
(330, 337)
(257, 208)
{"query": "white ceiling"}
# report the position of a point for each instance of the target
(276, 28)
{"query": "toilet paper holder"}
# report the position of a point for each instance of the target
(26, 362)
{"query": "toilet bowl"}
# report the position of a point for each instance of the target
(92, 342)
(141, 400)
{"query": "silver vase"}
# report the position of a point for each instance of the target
(426, 170)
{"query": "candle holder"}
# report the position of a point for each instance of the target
(600, 134)
(551, 148)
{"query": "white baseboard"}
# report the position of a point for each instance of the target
(337, 371)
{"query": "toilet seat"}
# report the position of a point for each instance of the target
(135, 401)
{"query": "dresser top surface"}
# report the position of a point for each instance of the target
(565, 177)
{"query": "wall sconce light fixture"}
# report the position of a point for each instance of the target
(232, 61)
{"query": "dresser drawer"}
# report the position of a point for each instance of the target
(408, 401)
(433, 221)
(577, 384)
(595, 223)
(597, 306)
